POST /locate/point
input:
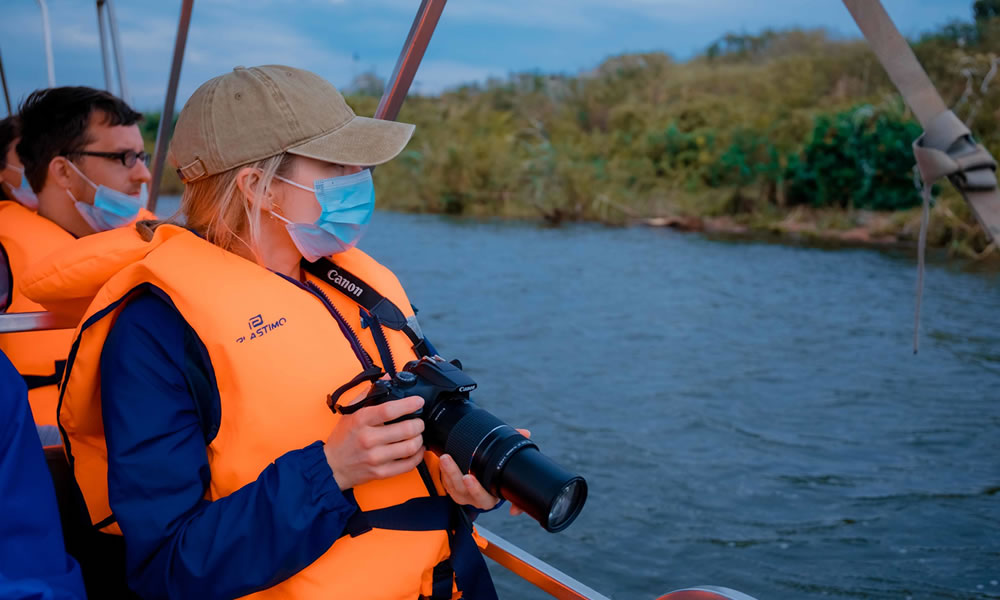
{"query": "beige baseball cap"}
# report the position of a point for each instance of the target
(258, 112)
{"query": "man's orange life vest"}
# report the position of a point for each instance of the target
(276, 351)
(39, 356)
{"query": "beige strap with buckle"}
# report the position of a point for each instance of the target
(946, 149)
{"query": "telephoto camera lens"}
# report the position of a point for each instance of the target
(507, 464)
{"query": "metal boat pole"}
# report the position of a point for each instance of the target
(409, 59)
(47, 32)
(534, 570)
(6, 94)
(103, 41)
(116, 48)
(167, 116)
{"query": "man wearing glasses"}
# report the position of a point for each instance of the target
(83, 156)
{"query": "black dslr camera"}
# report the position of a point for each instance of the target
(505, 462)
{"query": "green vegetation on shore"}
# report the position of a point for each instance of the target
(780, 131)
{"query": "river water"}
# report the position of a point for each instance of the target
(746, 414)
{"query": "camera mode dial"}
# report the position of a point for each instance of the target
(405, 379)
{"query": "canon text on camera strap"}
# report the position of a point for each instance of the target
(355, 288)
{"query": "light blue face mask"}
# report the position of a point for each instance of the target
(111, 209)
(347, 204)
(24, 194)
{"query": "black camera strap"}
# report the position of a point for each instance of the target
(381, 342)
(385, 312)
(370, 375)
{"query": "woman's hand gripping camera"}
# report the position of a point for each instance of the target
(363, 448)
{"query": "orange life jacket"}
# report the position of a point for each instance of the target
(26, 238)
(276, 351)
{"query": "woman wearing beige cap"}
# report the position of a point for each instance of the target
(195, 407)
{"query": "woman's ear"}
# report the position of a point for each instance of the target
(249, 180)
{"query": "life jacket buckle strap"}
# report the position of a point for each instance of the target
(357, 524)
(37, 381)
(442, 581)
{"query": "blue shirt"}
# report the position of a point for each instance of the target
(158, 422)
(33, 560)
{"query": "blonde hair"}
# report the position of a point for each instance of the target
(217, 209)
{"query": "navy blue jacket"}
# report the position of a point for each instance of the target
(33, 560)
(179, 545)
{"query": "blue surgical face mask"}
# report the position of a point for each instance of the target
(111, 209)
(24, 194)
(347, 204)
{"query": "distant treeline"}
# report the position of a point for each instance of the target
(755, 124)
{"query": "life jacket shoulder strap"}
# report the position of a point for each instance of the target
(37, 381)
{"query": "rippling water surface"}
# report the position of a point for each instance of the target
(747, 415)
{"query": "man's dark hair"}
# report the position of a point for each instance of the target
(10, 130)
(54, 122)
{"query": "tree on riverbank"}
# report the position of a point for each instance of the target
(754, 128)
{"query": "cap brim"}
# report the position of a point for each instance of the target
(362, 142)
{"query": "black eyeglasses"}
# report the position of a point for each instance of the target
(127, 157)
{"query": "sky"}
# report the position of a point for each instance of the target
(338, 39)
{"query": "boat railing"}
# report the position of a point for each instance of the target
(534, 570)
(34, 321)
